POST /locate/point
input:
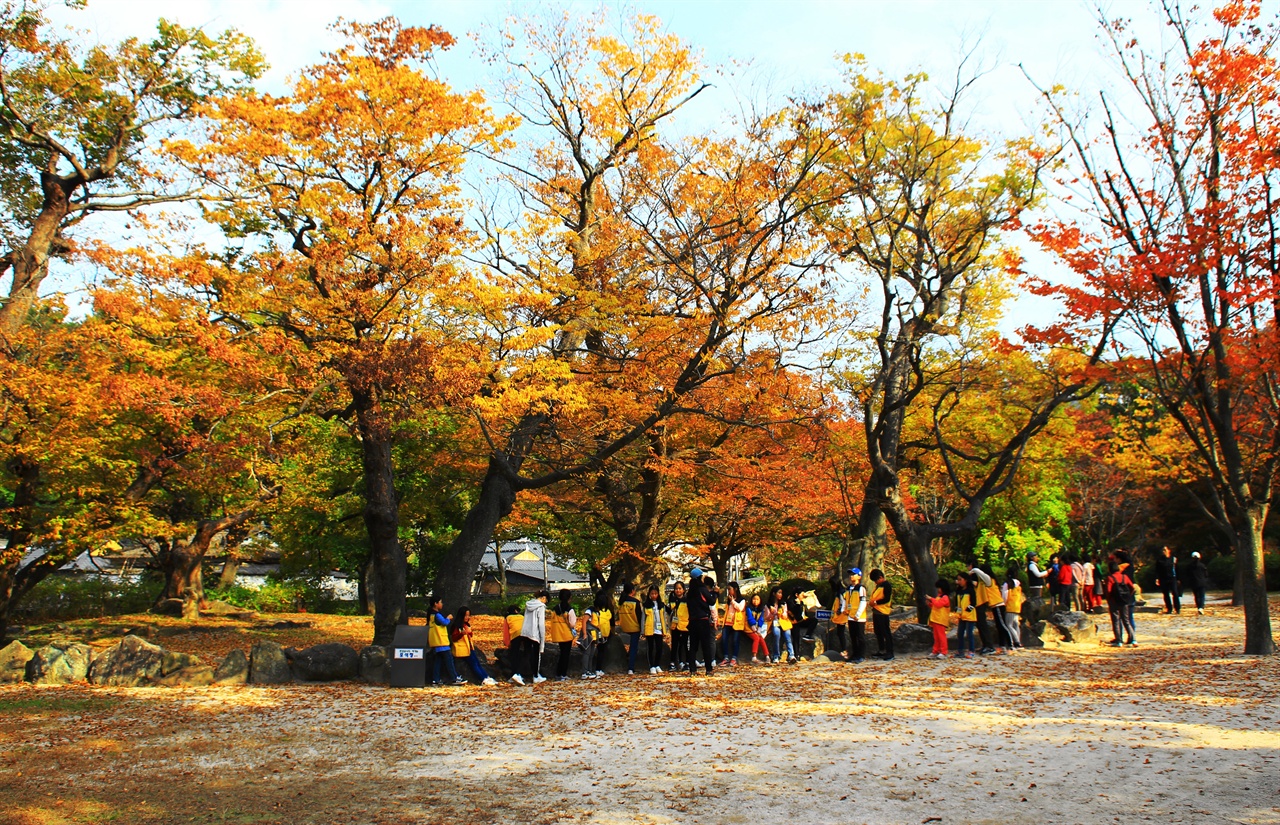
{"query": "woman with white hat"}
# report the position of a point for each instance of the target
(1198, 575)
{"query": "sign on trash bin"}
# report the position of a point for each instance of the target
(409, 657)
(822, 615)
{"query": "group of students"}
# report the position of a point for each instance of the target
(772, 625)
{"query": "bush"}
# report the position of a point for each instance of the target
(283, 595)
(1222, 572)
(87, 596)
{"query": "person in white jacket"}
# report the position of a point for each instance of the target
(533, 639)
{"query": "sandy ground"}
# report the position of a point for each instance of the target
(1180, 729)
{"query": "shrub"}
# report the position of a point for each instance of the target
(87, 596)
(280, 595)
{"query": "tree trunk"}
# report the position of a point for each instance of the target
(873, 537)
(30, 262)
(459, 565)
(389, 575)
(183, 569)
(230, 568)
(1249, 562)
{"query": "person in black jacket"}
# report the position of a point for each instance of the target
(700, 598)
(802, 624)
(1167, 580)
(1198, 577)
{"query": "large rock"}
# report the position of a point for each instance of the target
(1072, 628)
(60, 665)
(324, 663)
(234, 669)
(173, 661)
(13, 662)
(230, 611)
(373, 664)
(268, 664)
(131, 663)
(1035, 610)
(912, 638)
(193, 676)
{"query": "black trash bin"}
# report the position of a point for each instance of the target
(409, 657)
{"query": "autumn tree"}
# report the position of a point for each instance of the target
(348, 190)
(921, 209)
(639, 271)
(1177, 182)
(79, 125)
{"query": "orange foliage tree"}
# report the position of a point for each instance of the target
(1180, 240)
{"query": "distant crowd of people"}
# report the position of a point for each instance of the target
(773, 625)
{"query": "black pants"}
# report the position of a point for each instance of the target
(841, 640)
(679, 649)
(984, 632)
(858, 640)
(562, 665)
(800, 629)
(701, 637)
(884, 637)
(530, 654)
(655, 651)
(1172, 603)
(1199, 594)
(1001, 618)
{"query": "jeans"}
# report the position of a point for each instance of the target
(589, 650)
(729, 640)
(444, 657)
(964, 635)
(1122, 623)
(1199, 594)
(633, 650)
(1067, 596)
(478, 669)
(780, 636)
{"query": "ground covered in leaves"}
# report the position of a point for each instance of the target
(1180, 729)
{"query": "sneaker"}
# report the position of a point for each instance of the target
(518, 679)
(774, 661)
(488, 682)
(586, 676)
(1131, 643)
(562, 678)
(968, 654)
(888, 658)
(724, 663)
(599, 673)
(1115, 643)
(1200, 610)
(539, 679)
(459, 681)
(755, 660)
(631, 673)
(733, 663)
(699, 663)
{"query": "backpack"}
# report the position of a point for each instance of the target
(1122, 588)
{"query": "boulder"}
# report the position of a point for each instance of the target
(194, 676)
(60, 665)
(814, 646)
(268, 664)
(130, 663)
(373, 664)
(1069, 627)
(230, 611)
(912, 638)
(234, 669)
(1037, 609)
(172, 661)
(13, 662)
(324, 663)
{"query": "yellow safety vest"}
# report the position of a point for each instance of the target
(989, 594)
(940, 615)
(649, 628)
(967, 611)
(885, 608)
(462, 647)
(558, 629)
(628, 618)
(680, 617)
(437, 634)
(839, 610)
(604, 619)
(1014, 603)
(515, 625)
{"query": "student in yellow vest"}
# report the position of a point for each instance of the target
(840, 617)
(589, 641)
(630, 614)
(464, 646)
(735, 623)
(513, 623)
(856, 596)
(562, 624)
(989, 599)
(780, 625)
(940, 618)
(1013, 600)
(966, 600)
(441, 649)
(881, 607)
(678, 618)
(654, 628)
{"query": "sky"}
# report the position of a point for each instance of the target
(750, 45)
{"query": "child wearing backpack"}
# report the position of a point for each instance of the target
(1121, 595)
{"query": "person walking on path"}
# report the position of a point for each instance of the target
(881, 607)
(1167, 580)
(1121, 595)
(1198, 578)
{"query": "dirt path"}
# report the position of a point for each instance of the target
(1180, 729)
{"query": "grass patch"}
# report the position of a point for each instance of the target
(52, 704)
